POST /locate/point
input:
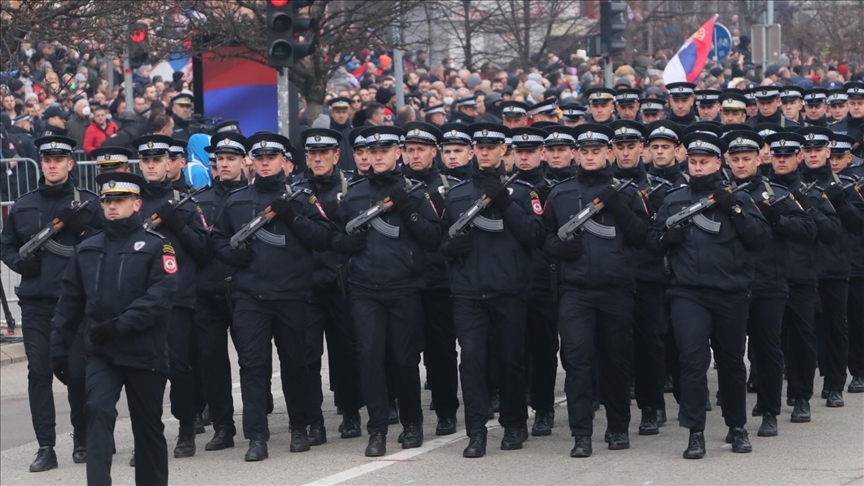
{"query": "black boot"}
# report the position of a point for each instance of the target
(299, 441)
(769, 426)
(619, 441)
(695, 446)
(495, 400)
(740, 440)
(199, 424)
(835, 399)
(648, 425)
(757, 410)
(668, 387)
(513, 438)
(790, 401)
(413, 435)
(185, 442)
(79, 448)
(393, 418)
(446, 426)
(825, 393)
(856, 385)
(377, 446)
(476, 445)
(350, 427)
(132, 459)
(317, 434)
(661, 417)
(801, 412)
(222, 439)
(45, 459)
(205, 416)
(543, 423)
(257, 450)
(582, 447)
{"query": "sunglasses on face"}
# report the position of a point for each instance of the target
(357, 100)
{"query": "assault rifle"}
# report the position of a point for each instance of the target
(472, 217)
(371, 217)
(804, 191)
(251, 229)
(694, 214)
(154, 221)
(44, 237)
(583, 219)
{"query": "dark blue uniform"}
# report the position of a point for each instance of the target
(856, 295)
(597, 296)
(124, 276)
(270, 297)
(38, 293)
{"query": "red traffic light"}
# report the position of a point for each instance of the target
(279, 3)
(138, 35)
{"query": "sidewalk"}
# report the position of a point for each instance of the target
(12, 352)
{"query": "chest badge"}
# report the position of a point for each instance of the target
(138, 245)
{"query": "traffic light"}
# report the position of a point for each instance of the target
(138, 53)
(612, 27)
(285, 25)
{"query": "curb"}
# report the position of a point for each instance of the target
(12, 353)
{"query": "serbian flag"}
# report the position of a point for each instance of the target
(690, 59)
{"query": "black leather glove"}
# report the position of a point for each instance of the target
(60, 368)
(771, 214)
(499, 194)
(570, 249)
(401, 201)
(242, 257)
(724, 199)
(460, 245)
(104, 332)
(611, 199)
(32, 267)
(834, 193)
(283, 209)
(72, 221)
(802, 199)
(673, 236)
(354, 243)
(171, 218)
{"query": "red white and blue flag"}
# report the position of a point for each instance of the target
(690, 59)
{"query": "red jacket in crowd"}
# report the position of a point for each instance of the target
(95, 136)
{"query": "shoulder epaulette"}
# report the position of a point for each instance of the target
(459, 184)
(674, 189)
(846, 178)
(155, 233)
(240, 189)
(526, 184)
(86, 191)
(31, 191)
(356, 181)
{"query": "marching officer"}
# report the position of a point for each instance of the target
(359, 153)
(803, 272)
(386, 274)
(708, 290)
(176, 163)
(815, 107)
(601, 105)
(707, 104)
(681, 99)
(184, 227)
(111, 159)
(791, 104)
(838, 107)
(439, 355)
(330, 313)
(559, 148)
(213, 306)
(514, 114)
(55, 199)
(545, 111)
(627, 103)
(573, 114)
(117, 292)
(733, 108)
(490, 275)
(852, 124)
(834, 261)
(651, 110)
(271, 287)
(456, 151)
(623, 222)
(341, 122)
(770, 289)
(768, 102)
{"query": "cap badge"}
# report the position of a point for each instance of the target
(225, 142)
(453, 133)
(524, 136)
(53, 144)
(111, 184)
(622, 130)
(811, 136)
(589, 134)
(317, 138)
(764, 92)
(485, 133)
(415, 132)
(856, 89)
(782, 143)
(555, 134)
(377, 136)
(698, 143)
(680, 88)
(739, 140)
(662, 129)
(263, 143)
(833, 143)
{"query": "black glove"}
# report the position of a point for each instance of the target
(242, 257)
(611, 199)
(725, 199)
(104, 332)
(354, 243)
(673, 236)
(460, 245)
(32, 267)
(284, 209)
(401, 201)
(72, 220)
(170, 217)
(834, 193)
(499, 194)
(771, 214)
(60, 368)
(802, 199)
(570, 249)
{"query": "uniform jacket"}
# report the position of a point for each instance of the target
(544, 266)
(212, 275)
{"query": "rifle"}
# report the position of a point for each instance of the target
(10, 320)
(252, 228)
(154, 221)
(371, 217)
(653, 189)
(804, 191)
(43, 237)
(472, 217)
(694, 212)
(583, 219)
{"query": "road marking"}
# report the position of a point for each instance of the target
(357, 471)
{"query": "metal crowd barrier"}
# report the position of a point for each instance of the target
(18, 175)
(87, 173)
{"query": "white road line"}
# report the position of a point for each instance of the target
(357, 471)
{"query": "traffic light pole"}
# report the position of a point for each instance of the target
(607, 76)
(283, 103)
(127, 81)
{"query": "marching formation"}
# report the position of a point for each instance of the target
(640, 239)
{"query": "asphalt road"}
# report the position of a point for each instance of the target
(828, 451)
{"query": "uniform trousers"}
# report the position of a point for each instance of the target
(700, 317)
(800, 356)
(36, 321)
(765, 322)
(833, 298)
(180, 343)
(603, 316)
(213, 325)
(542, 339)
(475, 320)
(144, 392)
(255, 324)
(439, 350)
(388, 326)
(855, 316)
(650, 326)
